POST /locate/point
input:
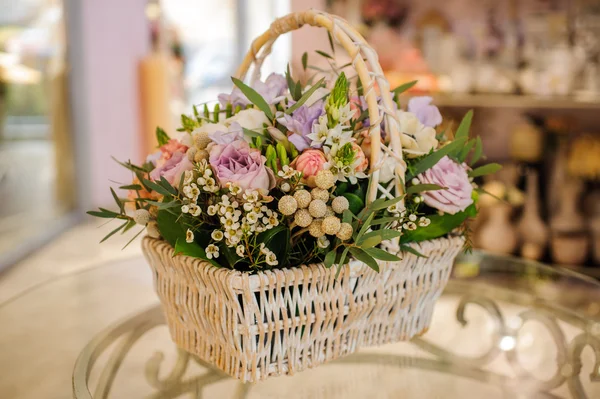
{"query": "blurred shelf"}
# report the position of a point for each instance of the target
(512, 101)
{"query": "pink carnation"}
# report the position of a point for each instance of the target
(456, 196)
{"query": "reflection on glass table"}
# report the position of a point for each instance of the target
(503, 328)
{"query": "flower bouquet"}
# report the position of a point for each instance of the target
(294, 222)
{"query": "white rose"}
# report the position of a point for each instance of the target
(417, 139)
(184, 138)
(252, 119)
(210, 128)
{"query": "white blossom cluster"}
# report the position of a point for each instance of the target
(407, 221)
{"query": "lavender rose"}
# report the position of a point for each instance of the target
(237, 163)
(300, 124)
(172, 168)
(234, 132)
(271, 90)
(428, 114)
(453, 177)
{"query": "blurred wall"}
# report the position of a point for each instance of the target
(107, 40)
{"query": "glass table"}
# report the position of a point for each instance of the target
(503, 328)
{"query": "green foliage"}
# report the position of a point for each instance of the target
(161, 137)
(304, 60)
(440, 226)
(433, 158)
(485, 170)
(404, 87)
(305, 96)
(254, 97)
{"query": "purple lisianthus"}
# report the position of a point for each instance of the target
(453, 177)
(239, 164)
(428, 114)
(233, 133)
(271, 90)
(300, 124)
(172, 168)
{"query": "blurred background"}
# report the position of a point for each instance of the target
(81, 81)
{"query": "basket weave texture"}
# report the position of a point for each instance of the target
(286, 320)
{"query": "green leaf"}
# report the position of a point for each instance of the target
(485, 170)
(347, 216)
(155, 187)
(384, 220)
(330, 257)
(305, 97)
(409, 249)
(193, 250)
(130, 224)
(478, 152)
(105, 214)
(365, 226)
(465, 125)
(380, 254)
(440, 226)
(433, 158)
(114, 231)
(418, 188)
(167, 186)
(383, 203)
(254, 97)
(163, 205)
(324, 54)
(370, 241)
(171, 229)
(402, 88)
(304, 60)
(382, 235)
(356, 204)
(118, 201)
(130, 166)
(161, 136)
(330, 38)
(464, 153)
(290, 82)
(365, 258)
(135, 187)
(133, 238)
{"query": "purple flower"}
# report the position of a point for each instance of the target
(233, 133)
(237, 163)
(271, 90)
(172, 168)
(428, 114)
(456, 196)
(300, 124)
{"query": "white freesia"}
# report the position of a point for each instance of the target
(417, 139)
(251, 119)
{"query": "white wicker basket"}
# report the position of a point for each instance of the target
(285, 320)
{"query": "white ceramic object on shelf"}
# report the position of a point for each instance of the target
(497, 234)
(532, 229)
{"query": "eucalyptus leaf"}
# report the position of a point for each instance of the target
(161, 137)
(380, 254)
(254, 97)
(330, 258)
(384, 234)
(485, 170)
(114, 231)
(155, 187)
(411, 250)
(434, 157)
(117, 200)
(330, 38)
(305, 97)
(464, 127)
(404, 87)
(478, 152)
(464, 153)
(304, 60)
(418, 188)
(324, 54)
(365, 258)
(135, 187)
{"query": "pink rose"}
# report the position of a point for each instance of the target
(361, 163)
(310, 162)
(453, 177)
(237, 163)
(170, 148)
(172, 168)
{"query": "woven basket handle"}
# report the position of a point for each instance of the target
(359, 51)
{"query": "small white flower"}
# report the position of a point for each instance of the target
(287, 172)
(338, 137)
(252, 217)
(412, 218)
(417, 200)
(285, 187)
(271, 259)
(185, 208)
(217, 235)
(263, 249)
(188, 177)
(212, 210)
(250, 195)
(235, 189)
(239, 250)
(195, 210)
(415, 181)
(201, 181)
(210, 185)
(409, 226)
(319, 132)
(424, 222)
(345, 114)
(207, 173)
(189, 236)
(212, 251)
(323, 242)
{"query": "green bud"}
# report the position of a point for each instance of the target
(228, 110)
(293, 151)
(206, 113)
(282, 153)
(216, 112)
(238, 108)
(196, 114)
(249, 106)
(271, 156)
(257, 142)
